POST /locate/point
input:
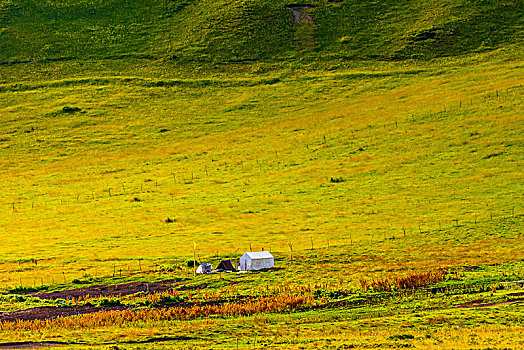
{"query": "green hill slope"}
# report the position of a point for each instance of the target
(219, 30)
(359, 141)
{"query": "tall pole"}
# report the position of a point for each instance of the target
(194, 259)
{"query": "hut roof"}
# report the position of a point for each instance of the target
(259, 255)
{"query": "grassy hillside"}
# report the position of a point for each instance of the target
(98, 164)
(216, 30)
(363, 143)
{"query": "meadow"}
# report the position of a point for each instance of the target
(375, 149)
(360, 175)
(395, 158)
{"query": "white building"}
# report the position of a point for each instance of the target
(257, 261)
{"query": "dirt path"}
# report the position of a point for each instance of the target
(47, 344)
(114, 290)
(30, 345)
(482, 303)
(300, 12)
(51, 312)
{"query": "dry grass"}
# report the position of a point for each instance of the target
(411, 281)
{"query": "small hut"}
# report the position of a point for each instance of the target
(257, 261)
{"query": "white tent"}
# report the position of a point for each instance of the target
(205, 268)
(257, 261)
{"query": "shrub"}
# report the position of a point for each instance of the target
(167, 268)
(18, 299)
(401, 337)
(168, 298)
(68, 109)
(192, 263)
(24, 290)
(109, 302)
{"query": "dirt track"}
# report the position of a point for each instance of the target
(51, 312)
(47, 344)
(115, 290)
(30, 345)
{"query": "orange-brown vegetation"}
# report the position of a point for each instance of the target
(292, 299)
(411, 281)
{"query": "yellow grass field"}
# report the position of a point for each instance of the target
(356, 173)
